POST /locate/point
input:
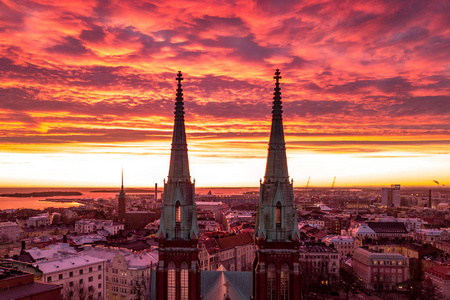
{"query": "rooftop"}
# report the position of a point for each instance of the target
(67, 263)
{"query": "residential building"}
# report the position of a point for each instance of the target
(75, 273)
(380, 271)
(9, 232)
(343, 244)
(128, 273)
(440, 277)
(84, 226)
(233, 253)
(320, 261)
(40, 220)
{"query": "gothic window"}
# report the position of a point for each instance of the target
(271, 283)
(284, 282)
(184, 281)
(177, 213)
(278, 215)
(171, 281)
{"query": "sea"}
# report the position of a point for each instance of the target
(91, 193)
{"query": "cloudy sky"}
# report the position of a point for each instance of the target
(88, 87)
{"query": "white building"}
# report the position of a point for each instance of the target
(9, 232)
(88, 225)
(52, 252)
(76, 272)
(362, 232)
(40, 220)
(127, 273)
(343, 244)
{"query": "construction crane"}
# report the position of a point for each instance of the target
(307, 183)
(334, 180)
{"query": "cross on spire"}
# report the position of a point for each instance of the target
(179, 77)
(277, 77)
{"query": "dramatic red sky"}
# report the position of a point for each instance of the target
(87, 87)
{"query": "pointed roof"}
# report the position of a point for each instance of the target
(276, 167)
(179, 164)
(122, 192)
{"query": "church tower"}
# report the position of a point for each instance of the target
(276, 265)
(178, 273)
(122, 203)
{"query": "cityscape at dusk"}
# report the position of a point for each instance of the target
(87, 90)
(224, 150)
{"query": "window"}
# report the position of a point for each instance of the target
(184, 281)
(278, 215)
(99, 276)
(99, 267)
(60, 276)
(81, 281)
(177, 213)
(99, 285)
(49, 279)
(81, 272)
(90, 269)
(91, 278)
(71, 283)
(70, 274)
(271, 284)
(171, 281)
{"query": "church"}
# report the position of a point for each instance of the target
(276, 272)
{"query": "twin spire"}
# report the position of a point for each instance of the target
(179, 162)
(276, 167)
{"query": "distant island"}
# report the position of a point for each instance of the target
(41, 194)
(129, 190)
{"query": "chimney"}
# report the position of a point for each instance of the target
(429, 198)
(156, 192)
(23, 247)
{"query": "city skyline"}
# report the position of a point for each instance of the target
(89, 90)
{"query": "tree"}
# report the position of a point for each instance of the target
(430, 291)
(348, 280)
(78, 291)
(140, 286)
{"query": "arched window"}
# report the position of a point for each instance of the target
(278, 215)
(171, 285)
(271, 282)
(178, 213)
(284, 282)
(184, 281)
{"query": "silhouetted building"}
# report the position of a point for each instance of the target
(122, 203)
(178, 272)
(276, 273)
(390, 197)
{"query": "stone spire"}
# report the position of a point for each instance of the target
(122, 202)
(179, 164)
(178, 212)
(276, 167)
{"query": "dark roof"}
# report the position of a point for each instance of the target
(27, 290)
(387, 227)
(235, 240)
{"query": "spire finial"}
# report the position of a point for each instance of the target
(179, 105)
(122, 178)
(277, 108)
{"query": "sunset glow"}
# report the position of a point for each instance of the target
(88, 88)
